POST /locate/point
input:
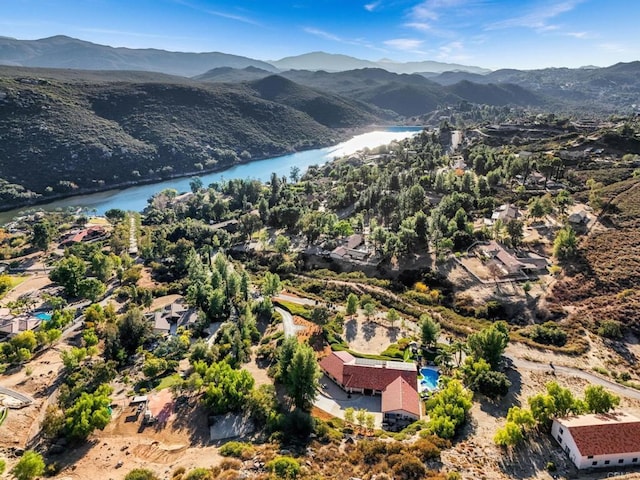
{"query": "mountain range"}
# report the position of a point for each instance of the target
(65, 52)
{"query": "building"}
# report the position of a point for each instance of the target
(168, 319)
(396, 382)
(510, 265)
(599, 440)
(400, 402)
(505, 213)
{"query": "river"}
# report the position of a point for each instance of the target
(135, 198)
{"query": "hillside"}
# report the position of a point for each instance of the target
(66, 52)
(87, 134)
(325, 108)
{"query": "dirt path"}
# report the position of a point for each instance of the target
(32, 284)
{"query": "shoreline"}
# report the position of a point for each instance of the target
(341, 136)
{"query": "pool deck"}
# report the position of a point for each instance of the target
(428, 388)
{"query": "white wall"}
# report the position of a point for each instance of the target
(570, 447)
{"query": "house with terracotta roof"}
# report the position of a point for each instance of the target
(599, 440)
(396, 381)
(400, 402)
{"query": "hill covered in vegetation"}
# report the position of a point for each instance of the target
(65, 132)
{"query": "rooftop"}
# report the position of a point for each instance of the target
(604, 434)
(400, 395)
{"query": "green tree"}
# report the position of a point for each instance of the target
(369, 310)
(508, 436)
(69, 272)
(349, 415)
(430, 330)
(565, 244)
(91, 288)
(352, 304)
(392, 316)
(271, 284)
(43, 233)
(154, 366)
(515, 229)
(29, 466)
(103, 266)
(448, 409)
(282, 244)
(302, 377)
(89, 412)
(489, 343)
(599, 400)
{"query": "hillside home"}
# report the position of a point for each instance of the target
(505, 213)
(395, 381)
(508, 263)
(599, 440)
(167, 320)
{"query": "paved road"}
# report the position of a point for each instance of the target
(18, 396)
(289, 327)
(520, 364)
(294, 299)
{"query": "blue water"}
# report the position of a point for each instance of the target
(430, 378)
(43, 316)
(135, 198)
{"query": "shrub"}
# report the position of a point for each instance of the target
(140, 474)
(284, 467)
(610, 329)
(237, 449)
(200, 474)
(548, 334)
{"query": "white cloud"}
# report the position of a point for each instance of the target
(538, 19)
(323, 34)
(336, 38)
(409, 44)
(370, 7)
(580, 35)
(432, 9)
(230, 16)
(613, 47)
(422, 26)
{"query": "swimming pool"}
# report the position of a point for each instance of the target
(429, 380)
(43, 316)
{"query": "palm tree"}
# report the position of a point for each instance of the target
(458, 348)
(444, 361)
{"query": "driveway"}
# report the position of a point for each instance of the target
(520, 364)
(333, 400)
(289, 327)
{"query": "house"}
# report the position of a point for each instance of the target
(579, 219)
(85, 235)
(599, 440)
(505, 213)
(395, 381)
(168, 319)
(11, 324)
(353, 249)
(510, 264)
(400, 402)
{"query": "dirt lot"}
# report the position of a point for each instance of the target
(369, 336)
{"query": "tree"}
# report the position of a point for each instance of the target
(448, 409)
(133, 330)
(302, 377)
(88, 412)
(31, 465)
(286, 468)
(599, 400)
(282, 244)
(271, 284)
(515, 229)
(141, 474)
(489, 343)
(115, 215)
(392, 316)
(557, 402)
(565, 244)
(352, 304)
(430, 330)
(536, 209)
(508, 436)
(43, 233)
(103, 265)
(369, 310)
(349, 415)
(91, 288)
(294, 174)
(195, 184)
(69, 272)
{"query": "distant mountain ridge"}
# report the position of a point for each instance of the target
(330, 62)
(65, 52)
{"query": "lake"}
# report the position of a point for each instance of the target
(135, 198)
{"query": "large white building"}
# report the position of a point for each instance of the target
(599, 440)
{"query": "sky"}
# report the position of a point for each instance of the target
(523, 34)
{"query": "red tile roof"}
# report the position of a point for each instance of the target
(367, 374)
(401, 395)
(333, 364)
(605, 434)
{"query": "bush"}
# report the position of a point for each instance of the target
(199, 474)
(140, 474)
(237, 449)
(610, 329)
(548, 334)
(284, 467)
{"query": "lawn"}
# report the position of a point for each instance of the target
(169, 381)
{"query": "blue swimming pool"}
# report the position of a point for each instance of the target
(429, 380)
(43, 316)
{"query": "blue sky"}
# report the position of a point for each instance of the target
(488, 33)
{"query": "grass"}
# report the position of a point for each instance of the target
(15, 281)
(169, 381)
(294, 308)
